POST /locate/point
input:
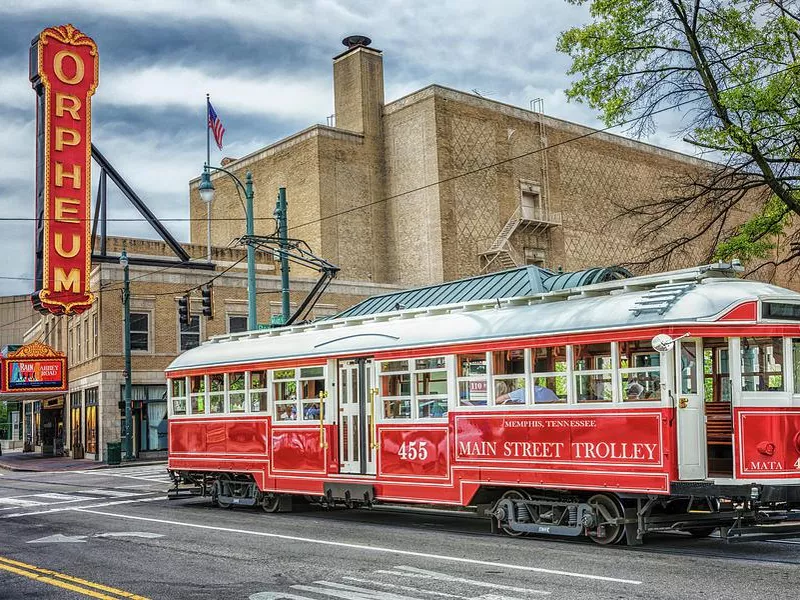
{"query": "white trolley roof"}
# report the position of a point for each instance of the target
(694, 295)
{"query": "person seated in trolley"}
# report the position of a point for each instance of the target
(541, 395)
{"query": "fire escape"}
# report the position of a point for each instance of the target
(531, 216)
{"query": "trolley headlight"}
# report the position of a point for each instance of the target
(755, 492)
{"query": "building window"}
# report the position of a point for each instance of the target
(237, 323)
(75, 399)
(90, 423)
(140, 331)
(95, 333)
(190, 334)
(71, 336)
(86, 350)
(78, 343)
(531, 202)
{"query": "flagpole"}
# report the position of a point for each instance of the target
(208, 132)
(208, 163)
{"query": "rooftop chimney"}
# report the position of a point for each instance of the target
(358, 87)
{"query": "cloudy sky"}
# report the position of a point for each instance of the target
(267, 66)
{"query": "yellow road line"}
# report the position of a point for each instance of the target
(48, 576)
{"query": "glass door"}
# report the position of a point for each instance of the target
(356, 454)
(690, 410)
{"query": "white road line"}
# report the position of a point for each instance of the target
(395, 586)
(376, 549)
(348, 592)
(424, 574)
(68, 508)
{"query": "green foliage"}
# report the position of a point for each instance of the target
(757, 237)
(732, 68)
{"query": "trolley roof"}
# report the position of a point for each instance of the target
(701, 294)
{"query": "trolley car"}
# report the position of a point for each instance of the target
(663, 402)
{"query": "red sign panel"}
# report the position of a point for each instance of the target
(67, 67)
(34, 375)
(414, 452)
(768, 441)
(600, 438)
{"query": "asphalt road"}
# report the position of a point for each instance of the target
(112, 534)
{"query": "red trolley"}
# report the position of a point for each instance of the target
(664, 402)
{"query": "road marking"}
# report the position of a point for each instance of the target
(66, 508)
(20, 502)
(407, 588)
(376, 549)
(60, 538)
(66, 582)
(132, 534)
(423, 574)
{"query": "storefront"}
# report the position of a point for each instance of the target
(33, 382)
(149, 411)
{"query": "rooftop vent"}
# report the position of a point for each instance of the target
(351, 41)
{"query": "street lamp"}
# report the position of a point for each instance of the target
(126, 304)
(206, 189)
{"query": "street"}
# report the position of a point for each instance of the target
(111, 533)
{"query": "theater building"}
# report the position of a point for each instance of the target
(442, 184)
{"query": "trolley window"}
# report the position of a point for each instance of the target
(258, 391)
(593, 372)
(197, 394)
(312, 384)
(780, 311)
(508, 377)
(284, 388)
(796, 364)
(762, 364)
(430, 389)
(549, 374)
(178, 392)
(472, 389)
(216, 395)
(236, 391)
(716, 370)
(396, 389)
(639, 371)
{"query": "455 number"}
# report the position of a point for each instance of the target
(413, 450)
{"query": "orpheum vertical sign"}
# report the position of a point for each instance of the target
(64, 74)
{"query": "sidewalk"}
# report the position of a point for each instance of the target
(29, 461)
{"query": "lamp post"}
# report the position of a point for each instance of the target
(126, 304)
(207, 195)
(206, 190)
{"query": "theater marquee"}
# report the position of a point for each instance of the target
(64, 74)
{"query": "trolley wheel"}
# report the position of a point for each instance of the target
(513, 495)
(608, 509)
(215, 495)
(271, 503)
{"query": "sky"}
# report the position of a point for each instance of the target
(267, 65)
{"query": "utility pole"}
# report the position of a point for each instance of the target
(280, 215)
(126, 303)
(252, 315)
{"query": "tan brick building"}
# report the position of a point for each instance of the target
(441, 184)
(94, 341)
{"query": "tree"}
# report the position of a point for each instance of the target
(731, 66)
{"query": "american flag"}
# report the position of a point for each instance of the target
(215, 125)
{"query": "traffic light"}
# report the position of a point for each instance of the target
(208, 306)
(183, 310)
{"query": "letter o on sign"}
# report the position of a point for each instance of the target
(58, 67)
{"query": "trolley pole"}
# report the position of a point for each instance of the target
(252, 316)
(280, 215)
(126, 303)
